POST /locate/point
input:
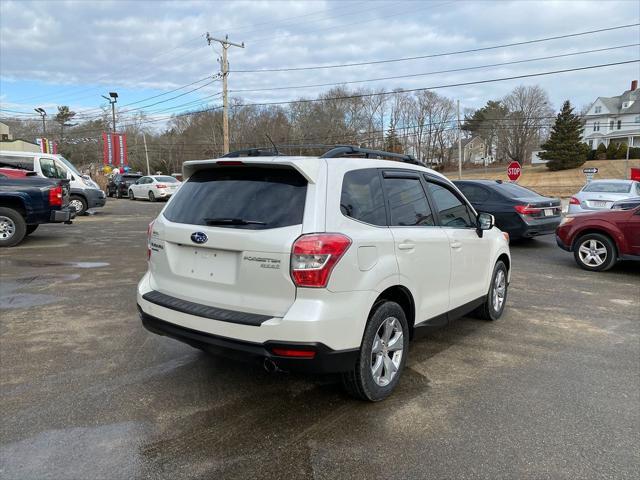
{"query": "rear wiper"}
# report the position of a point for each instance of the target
(231, 221)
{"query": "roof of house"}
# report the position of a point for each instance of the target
(614, 104)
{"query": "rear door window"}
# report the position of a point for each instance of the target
(362, 198)
(407, 202)
(240, 197)
(452, 211)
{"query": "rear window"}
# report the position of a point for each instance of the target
(608, 187)
(166, 179)
(515, 191)
(273, 197)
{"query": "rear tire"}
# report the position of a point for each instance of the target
(595, 252)
(383, 354)
(118, 193)
(79, 204)
(496, 298)
(13, 228)
(152, 197)
(31, 229)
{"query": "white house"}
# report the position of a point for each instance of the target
(614, 119)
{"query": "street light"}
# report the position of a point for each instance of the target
(113, 98)
(42, 114)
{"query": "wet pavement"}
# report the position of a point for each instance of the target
(552, 390)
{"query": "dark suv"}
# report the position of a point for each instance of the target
(119, 184)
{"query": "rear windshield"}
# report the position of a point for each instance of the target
(608, 187)
(273, 197)
(516, 191)
(166, 179)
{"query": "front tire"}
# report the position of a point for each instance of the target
(383, 354)
(131, 195)
(13, 228)
(496, 298)
(79, 204)
(595, 252)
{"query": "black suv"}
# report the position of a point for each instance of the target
(119, 184)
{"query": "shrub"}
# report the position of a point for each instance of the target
(612, 151)
(622, 151)
(601, 152)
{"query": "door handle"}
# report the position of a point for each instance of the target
(406, 245)
(456, 245)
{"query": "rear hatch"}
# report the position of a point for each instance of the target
(225, 238)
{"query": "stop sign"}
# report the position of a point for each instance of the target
(513, 171)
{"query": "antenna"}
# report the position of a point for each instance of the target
(274, 145)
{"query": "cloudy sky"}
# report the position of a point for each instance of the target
(72, 52)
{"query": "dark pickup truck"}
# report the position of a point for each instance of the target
(27, 202)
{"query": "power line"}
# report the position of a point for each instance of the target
(412, 75)
(433, 55)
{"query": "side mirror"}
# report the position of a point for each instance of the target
(137, 182)
(485, 221)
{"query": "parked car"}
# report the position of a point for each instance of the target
(626, 204)
(85, 193)
(318, 263)
(28, 202)
(599, 239)
(119, 184)
(154, 187)
(520, 212)
(16, 173)
(601, 194)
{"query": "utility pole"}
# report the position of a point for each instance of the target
(225, 72)
(459, 143)
(43, 114)
(113, 98)
(626, 162)
(146, 153)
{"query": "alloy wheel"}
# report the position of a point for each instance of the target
(499, 290)
(387, 351)
(7, 228)
(593, 253)
(76, 205)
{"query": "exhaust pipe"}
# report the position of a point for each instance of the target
(270, 366)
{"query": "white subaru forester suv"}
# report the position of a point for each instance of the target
(320, 264)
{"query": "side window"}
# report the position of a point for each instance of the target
(408, 202)
(25, 163)
(453, 212)
(362, 197)
(51, 170)
(474, 193)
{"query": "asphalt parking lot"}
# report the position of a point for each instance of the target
(552, 390)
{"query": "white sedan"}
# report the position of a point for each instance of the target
(154, 187)
(601, 194)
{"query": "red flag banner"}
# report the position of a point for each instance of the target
(114, 149)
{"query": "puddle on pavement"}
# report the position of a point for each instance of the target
(10, 262)
(10, 299)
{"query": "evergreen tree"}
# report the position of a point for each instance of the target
(622, 151)
(601, 152)
(612, 150)
(564, 148)
(392, 142)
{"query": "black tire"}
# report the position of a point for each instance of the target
(152, 197)
(108, 192)
(599, 241)
(360, 382)
(31, 229)
(131, 196)
(118, 193)
(80, 204)
(13, 228)
(488, 310)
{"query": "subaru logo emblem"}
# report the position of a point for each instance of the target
(199, 237)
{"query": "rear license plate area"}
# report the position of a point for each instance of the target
(207, 264)
(598, 204)
(549, 212)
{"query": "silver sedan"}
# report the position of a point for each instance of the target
(601, 194)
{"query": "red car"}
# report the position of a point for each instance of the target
(598, 240)
(16, 173)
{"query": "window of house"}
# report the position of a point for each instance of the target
(362, 197)
(598, 109)
(596, 126)
(637, 119)
(619, 124)
(591, 144)
(610, 124)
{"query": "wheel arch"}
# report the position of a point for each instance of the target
(14, 203)
(600, 231)
(402, 296)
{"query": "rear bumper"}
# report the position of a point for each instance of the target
(64, 215)
(325, 359)
(533, 228)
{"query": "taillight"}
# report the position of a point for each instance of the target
(313, 257)
(574, 201)
(149, 232)
(55, 196)
(161, 185)
(526, 209)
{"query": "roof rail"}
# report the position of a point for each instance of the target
(345, 150)
(253, 152)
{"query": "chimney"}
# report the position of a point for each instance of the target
(634, 85)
